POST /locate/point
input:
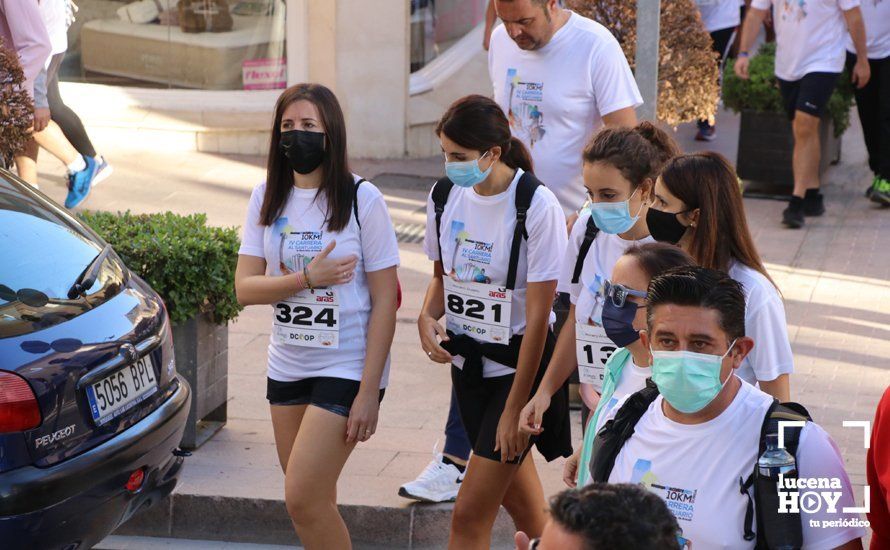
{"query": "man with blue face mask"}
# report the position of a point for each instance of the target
(697, 442)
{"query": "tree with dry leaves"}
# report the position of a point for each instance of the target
(688, 87)
(16, 107)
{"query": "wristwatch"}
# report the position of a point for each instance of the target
(743, 54)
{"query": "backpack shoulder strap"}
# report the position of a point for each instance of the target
(355, 201)
(590, 233)
(774, 528)
(611, 438)
(441, 190)
(526, 188)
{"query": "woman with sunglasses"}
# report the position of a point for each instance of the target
(698, 205)
(624, 316)
(620, 167)
(491, 213)
(319, 247)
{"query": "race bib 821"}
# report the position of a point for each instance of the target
(478, 310)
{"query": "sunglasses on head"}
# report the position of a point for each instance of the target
(619, 293)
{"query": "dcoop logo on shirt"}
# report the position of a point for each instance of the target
(818, 494)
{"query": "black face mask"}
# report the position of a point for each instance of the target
(664, 226)
(304, 150)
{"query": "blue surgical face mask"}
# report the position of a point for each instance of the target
(614, 217)
(688, 380)
(467, 173)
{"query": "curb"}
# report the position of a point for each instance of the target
(265, 521)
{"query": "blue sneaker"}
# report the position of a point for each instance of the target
(103, 170)
(79, 184)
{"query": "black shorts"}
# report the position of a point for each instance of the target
(331, 394)
(810, 94)
(480, 410)
(481, 405)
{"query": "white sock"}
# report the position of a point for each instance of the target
(77, 164)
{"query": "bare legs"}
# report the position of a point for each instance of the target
(53, 140)
(312, 449)
(807, 152)
(487, 485)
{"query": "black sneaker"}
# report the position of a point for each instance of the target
(813, 203)
(793, 215)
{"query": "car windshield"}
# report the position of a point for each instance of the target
(43, 251)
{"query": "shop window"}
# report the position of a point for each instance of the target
(437, 24)
(197, 44)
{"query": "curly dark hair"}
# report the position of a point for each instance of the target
(620, 515)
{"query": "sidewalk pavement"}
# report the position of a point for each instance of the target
(834, 275)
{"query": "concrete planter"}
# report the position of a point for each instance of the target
(202, 358)
(766, 146)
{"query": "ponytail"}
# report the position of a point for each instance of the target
(665, 146)
(478, 123)
(516, 155)
(638, 153)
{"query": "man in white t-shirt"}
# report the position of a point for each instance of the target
(810, 54)
(700, 438)
(559, 77)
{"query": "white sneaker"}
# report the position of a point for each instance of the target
(438, 482)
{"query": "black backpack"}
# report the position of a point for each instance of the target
(774, 529)
(525, 191)
(590, 233)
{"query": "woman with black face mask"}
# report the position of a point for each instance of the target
(319, 247)
(698, 205)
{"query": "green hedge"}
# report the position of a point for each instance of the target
(761, 91)
(191, 265)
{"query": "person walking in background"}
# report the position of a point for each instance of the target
(699, 206)
(873, 99)
(602, 516)
(810, 55)
(319, 246)
(85, 168)
(490, 212)
(721, 19)
(560, 78)
(22, 31)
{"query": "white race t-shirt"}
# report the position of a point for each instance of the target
(765, 323)
(876, 14)
(555, 97)
(374, 244)
(632, 380)
(719, 14)
(598, 265)
(696, 468)
(810, 35)
(477, 235)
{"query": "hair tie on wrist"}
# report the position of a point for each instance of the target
(306, 277)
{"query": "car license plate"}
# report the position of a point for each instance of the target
(122, 390)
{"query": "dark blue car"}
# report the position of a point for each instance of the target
(91, 407)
